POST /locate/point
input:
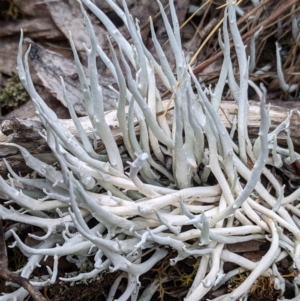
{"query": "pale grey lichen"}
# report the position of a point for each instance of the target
(140, 210)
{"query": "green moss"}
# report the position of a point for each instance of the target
(13, 94)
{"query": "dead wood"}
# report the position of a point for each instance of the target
(39, 28)
(26, 132)
(67, 17)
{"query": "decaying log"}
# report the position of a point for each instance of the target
(26, 132)
(39, 28)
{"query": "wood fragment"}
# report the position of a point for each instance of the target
(68, 18)
(38, 28)
(26, 132)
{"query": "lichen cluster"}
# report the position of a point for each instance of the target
(125, 204)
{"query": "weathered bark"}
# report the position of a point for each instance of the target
(26, 132)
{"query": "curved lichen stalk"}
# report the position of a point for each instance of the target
(154, 207)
